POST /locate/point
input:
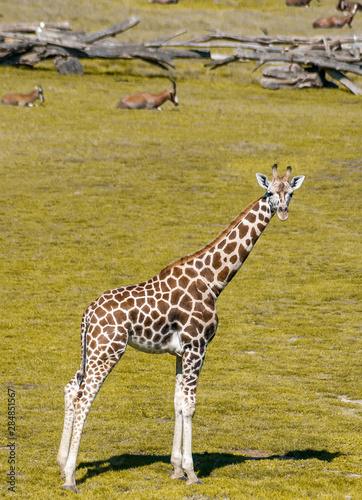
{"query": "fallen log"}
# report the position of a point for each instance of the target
(267, 40)
(333, 55)
(53, 38)
(21, 48)
(300, 58)
(319, 60)
(293, 76)
(32, 27)
(337, 55)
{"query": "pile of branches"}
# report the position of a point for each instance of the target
(28, 44)
(332, 55)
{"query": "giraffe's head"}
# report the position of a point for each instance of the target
(279, 190)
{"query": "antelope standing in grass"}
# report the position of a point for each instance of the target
(348, 6)
(335, 22)
(145, 100)
(24, 99)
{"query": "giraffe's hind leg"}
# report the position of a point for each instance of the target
(110, 344)
(96, 373)
(70, 392)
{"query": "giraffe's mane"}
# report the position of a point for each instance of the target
(201, 251)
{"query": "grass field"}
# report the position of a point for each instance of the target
(94, 197)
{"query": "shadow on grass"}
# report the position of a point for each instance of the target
(205, 463)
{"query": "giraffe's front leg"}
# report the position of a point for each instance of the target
(191, 366)
(176, 456)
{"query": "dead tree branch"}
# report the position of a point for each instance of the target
(29, 43)
(18, 47)
(333, 55)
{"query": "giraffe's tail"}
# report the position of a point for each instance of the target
(83, 340)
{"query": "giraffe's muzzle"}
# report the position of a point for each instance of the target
(283, 212)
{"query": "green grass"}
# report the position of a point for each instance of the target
(94, 197)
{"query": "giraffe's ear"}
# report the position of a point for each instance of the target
(263, 181)
(297, 181)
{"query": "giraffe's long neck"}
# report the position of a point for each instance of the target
(218, 262)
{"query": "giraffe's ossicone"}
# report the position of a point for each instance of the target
(173, 312)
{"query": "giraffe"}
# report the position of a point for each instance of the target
(173, 312)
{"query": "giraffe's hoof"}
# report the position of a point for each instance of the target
(61, 466)
(178, 475)
(194, 481)
(70, 487)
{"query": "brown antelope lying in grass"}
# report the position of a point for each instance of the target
(349, 6)
(335, 22)
(24, 99)
(298, 3)
(145, 100)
